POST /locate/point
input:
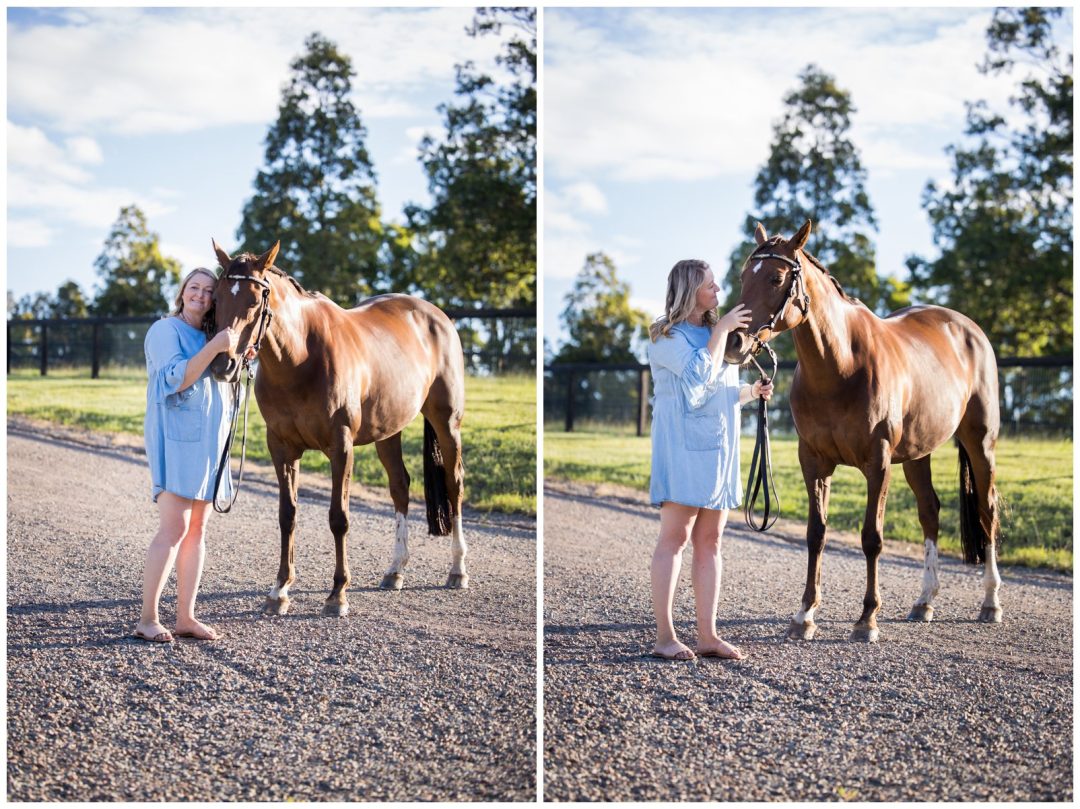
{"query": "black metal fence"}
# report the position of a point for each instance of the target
(1036, 396)
(494, 341)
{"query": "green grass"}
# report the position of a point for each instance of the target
(498, 435)
(1034, 478)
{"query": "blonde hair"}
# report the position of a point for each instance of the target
(683, 282)
(178, 301)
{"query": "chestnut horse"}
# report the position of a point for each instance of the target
(871, 392)
(330, 379)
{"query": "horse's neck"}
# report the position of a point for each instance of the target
(823, 339)
(285, 345)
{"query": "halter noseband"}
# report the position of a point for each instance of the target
(265, 316)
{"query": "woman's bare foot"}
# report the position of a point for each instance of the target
(673, 651)
(197, 630)
(153, 632)
(716, 647)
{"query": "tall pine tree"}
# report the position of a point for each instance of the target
(317, 191)
(814, 172)
(476, 244)
(1004, 223)
(601, 324)
(136, 279)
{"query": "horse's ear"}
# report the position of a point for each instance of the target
(267, 258)
(760, 236)
(223, 258)
(799, 240)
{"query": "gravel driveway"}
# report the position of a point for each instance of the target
(424, 694)
(952, 710)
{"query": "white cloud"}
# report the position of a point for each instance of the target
(139, 71)
(84, 150)
(586, 197)
(28, 233)
(648, 94)
(189, 257)
(30, 150)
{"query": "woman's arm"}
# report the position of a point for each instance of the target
(737, 318)
(224, 340)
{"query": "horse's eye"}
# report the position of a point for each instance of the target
(777, 280)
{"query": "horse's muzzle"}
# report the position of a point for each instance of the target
(225, 368)
(738, 347)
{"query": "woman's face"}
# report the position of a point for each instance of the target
(708, 294)
(198, 294)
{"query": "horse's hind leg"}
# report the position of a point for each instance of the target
(389, 452)
(446, 422)
(919, 479)
(286, 464)
(978, 438)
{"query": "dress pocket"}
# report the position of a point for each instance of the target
(705, 431)
(183, 422)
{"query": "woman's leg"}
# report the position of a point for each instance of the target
(189, 566)
(174, 516)
(675, 523)
(705, 572)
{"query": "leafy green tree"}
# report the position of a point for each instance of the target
(1004, 222)
(814, 172)
(70, 301)
(476, 244)
(601, 324)
(317, 192)
(136, 279)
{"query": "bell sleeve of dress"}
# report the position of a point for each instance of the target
(694, 367)
(165, 356)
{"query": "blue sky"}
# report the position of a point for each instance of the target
(657, 120)
(168, 108)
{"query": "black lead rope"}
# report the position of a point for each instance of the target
(760, 482)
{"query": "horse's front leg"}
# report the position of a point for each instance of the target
(817, 473)
(286, 464)
(877, 491)
(341, 464)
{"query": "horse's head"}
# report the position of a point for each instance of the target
(773, 288)
(242, 300)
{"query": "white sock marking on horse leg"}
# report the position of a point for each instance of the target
(401, 544)
(805, 616)
(930, 575)
(991, 580)
(279, 593)
(457, 548)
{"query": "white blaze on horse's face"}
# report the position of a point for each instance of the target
(757, 267)
(235, 287)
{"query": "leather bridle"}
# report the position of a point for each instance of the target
(266, 314)
(760, 480)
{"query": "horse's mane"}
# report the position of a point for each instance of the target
(250, 258)
(766, 247)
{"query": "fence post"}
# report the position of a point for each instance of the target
(44, 347)
(569, 401)
(643, 401)
(9, 349)
(95, 352)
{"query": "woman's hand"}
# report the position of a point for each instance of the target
(762, 389)
(738, 318)
(226, 341)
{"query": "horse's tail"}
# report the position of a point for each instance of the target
(435, 492)
(973, 538)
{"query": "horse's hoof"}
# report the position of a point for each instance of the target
(990, 615)
(335, 610)
(458, 581)
(276, 606)
(866, 634)
(391, 581)
(922, 613)
(804, 631)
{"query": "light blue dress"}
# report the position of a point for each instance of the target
(185, 430)
(695, 424)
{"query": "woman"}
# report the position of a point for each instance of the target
(186, 428)
(695, 450)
